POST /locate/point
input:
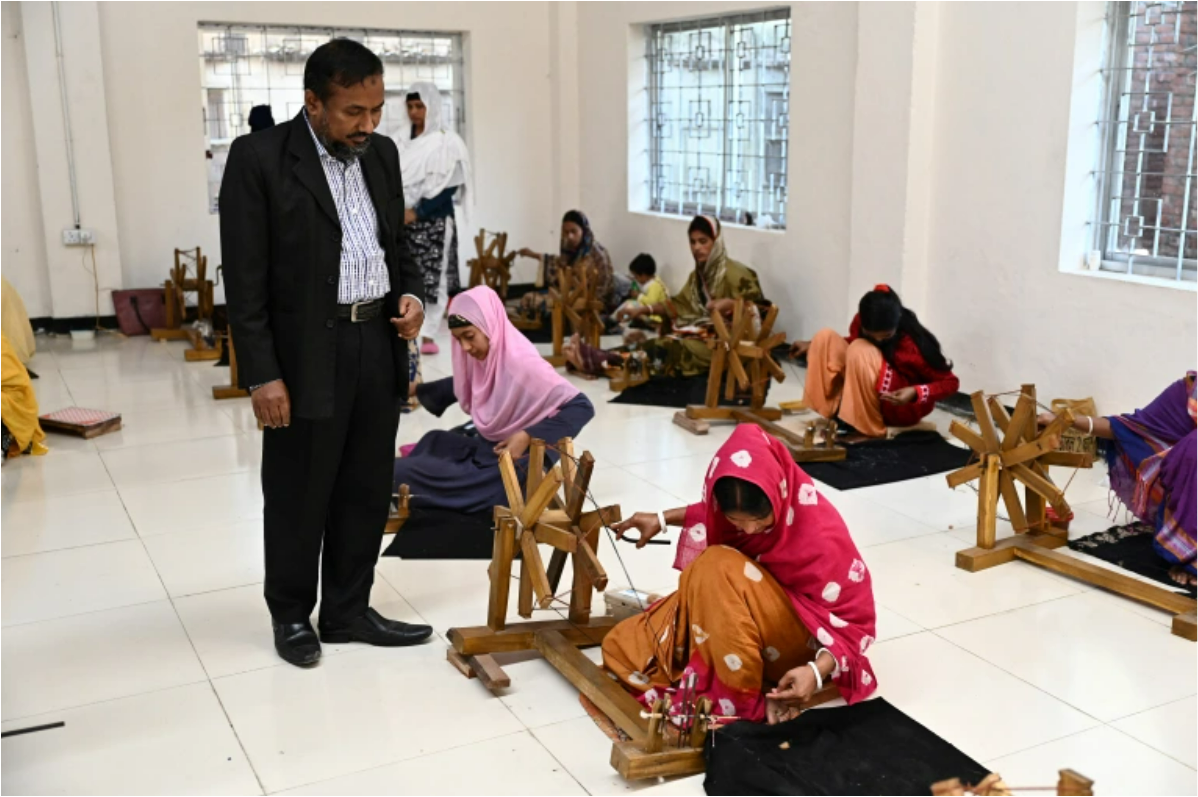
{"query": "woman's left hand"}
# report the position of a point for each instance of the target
(409, 216)
(779, 711)
(904, 395)
(516, 445)
(796, 686)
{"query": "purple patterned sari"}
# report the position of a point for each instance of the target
(1152, 468)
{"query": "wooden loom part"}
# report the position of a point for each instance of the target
(731, 351)
(175, 291)
(491, 268)
(1024, 454)
(1068, 783)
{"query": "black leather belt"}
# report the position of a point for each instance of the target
(358, 312)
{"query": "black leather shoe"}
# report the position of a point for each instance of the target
(374, 629)
(296, 643)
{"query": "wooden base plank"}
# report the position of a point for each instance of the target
(476, 640)
(1128, 587)
(489, 673)
(975, 559)
(168, 334)
(692, 425)
(220, 392)
(633, 763)
(201, 355)
(459, 662)
(1183, 626)
(608, 696)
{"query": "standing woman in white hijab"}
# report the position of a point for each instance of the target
(436, 174)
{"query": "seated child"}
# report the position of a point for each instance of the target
(650, 290)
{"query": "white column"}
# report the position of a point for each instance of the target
(893, 146)
(72, 285)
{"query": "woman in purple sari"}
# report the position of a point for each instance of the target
(1151, 459)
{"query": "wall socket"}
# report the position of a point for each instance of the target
(73, 236)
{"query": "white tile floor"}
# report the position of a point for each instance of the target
(132, 611)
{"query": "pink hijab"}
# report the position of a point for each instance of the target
(513, 387)
(808, 550)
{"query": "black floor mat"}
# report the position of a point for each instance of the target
(1129, 547)
(672, 391)
(869, 748)
(443, 534)
(906, 456)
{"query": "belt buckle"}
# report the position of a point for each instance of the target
(353, 311)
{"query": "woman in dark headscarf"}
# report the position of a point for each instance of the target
(579, 250)
(261, 118)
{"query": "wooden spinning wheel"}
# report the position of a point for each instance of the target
(528, 522)
(1023, 454)
(1068, 782)
(186, 280)
(574, 300)
(492, 267)
(744, 360)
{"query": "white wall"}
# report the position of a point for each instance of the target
(23, 257)
(997, 297)
(932, 146)
(805, 268)
(158, 143)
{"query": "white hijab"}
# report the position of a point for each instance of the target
(437, 158)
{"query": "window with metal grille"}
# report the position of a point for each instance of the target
(1146, 192)
(719, 106)
(242, 66)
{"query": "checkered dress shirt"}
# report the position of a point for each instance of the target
(364, 274)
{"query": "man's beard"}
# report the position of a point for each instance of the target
(339, 149)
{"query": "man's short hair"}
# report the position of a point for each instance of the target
(344, 62)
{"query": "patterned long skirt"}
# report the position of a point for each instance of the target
(730, 625)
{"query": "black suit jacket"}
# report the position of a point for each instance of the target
(281, 252)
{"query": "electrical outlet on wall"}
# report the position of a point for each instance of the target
(78, 236)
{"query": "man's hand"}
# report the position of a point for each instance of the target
(516, 445)
(272, 404)
(409, 216)
(904, 395)
(526, 252)
(411, 318)
(799, 348)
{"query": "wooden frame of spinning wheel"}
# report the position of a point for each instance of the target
(731, 350)
(543, 517)
(574, 301)
(491, 268)
(1023, 455)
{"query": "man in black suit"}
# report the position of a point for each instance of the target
(315, 264)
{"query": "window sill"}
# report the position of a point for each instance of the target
(1138, 279)
(723, 224)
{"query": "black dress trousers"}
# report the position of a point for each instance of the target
(327, 483)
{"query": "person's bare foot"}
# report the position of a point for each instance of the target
(1182, 576)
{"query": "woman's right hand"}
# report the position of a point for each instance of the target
(526, 252)
(799, 348)
(647, 523)
(1046, 418)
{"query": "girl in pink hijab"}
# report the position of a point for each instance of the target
(512, 396)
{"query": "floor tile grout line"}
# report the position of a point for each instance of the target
(1152, 747)
(406, 760)
(1021, 679)
(90, 703)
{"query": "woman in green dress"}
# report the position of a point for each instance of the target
(717, 283)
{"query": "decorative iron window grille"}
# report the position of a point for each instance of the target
(719, 112)
(242, 66)
(1146, 188)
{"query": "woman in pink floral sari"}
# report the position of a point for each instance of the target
(774, 599)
